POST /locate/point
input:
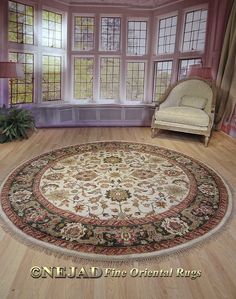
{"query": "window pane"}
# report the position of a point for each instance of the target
(110, 34)
(195, 30)
(185, 64)
(109, 78)
(163, 71)
(51, 78)
(22, 90)
(84, 33)
(166, 35)
(135, 81)
(51, 29)
(137, 37)
(83, 77)
(20, 23)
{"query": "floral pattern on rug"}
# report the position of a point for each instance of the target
(114, 198)
(120, 185)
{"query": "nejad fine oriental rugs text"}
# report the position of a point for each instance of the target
(96, 272)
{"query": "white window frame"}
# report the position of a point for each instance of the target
(156, 31)
(185, 11)
(132, 102)
(154, 75)
(112, 52)
(62, 52)
(64, 27)
(139, 19)
(26, 51)
(62, 76)
(72, 85)
(108, 101)
(35, 23)
(29, 49)
(89, 15)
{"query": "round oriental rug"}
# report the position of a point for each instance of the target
(114, 201)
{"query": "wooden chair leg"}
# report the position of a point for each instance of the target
(206, 140)
(153, 132)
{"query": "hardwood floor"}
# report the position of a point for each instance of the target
(216, 258)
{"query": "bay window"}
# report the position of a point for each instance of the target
(110, 58)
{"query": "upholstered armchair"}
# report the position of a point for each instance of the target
(188, 107)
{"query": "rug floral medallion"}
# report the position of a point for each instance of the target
(115, 200)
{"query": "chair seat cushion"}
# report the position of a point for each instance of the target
(183, 115)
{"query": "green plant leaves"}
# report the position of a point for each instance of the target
(14, 123)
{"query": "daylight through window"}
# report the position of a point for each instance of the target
(22, 89)
(84, 33)
(110, 33)
(135, 81)
(166, 35)
(51, 78)
(195, 30)
(21, 23)
(163, 71)
(83, 77)
(52, 29)
(137, 37)
(110, 78)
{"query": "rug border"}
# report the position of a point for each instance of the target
(50, 249)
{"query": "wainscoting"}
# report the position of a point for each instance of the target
(103, 115)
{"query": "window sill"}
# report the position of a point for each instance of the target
(62, 104)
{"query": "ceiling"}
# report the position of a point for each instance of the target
(127, 3)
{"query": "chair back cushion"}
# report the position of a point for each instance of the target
(193, 102)
(194, 88)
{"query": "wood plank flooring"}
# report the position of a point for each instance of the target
(216, 258)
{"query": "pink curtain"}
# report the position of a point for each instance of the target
(226, 79)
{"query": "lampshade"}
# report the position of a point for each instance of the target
(198, 71)
(11, 70)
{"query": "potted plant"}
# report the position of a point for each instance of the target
(14, 123)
